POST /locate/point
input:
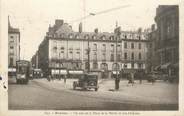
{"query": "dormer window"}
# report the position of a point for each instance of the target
(86, 37)
(112, 38)
(94, 37)
(103, 37)
(77, 36)
(71, 36)
(62, 35)
(125, 36)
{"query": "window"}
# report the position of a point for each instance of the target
(139, 65)
(132, 57)
(95, 65)
(115, 66)
(118, 57)
(11, 61)
(86, 37)
(11, 47)
(94, 37)
(103, 57)
(78, 55)
(150, 45)
(168, 28)
(139, 45)
(104, 47)
(112, 38)
(104, 66)
(71, 55)
(125, 36)
(125, 45)
(125, 65)
(95, 56)
(140, 56)
(119, 48)
(62, 35)
(132, 45)
(11, 37)
(77, 36)
(71, 36)
(86, 65)
(95, 47)
(132, 65)
(61, 55)
(103, 37)
(112, 47)
(125, 56)
(112, 57)
(139, 37)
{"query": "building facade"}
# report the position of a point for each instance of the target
(167, 42)
(152, 60)
(134, 50)
(64, 49)
(13, 46)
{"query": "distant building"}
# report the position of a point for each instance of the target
(62, 48)
(13, 46)
(134, 49)
(167, 43)
(152, 60)
(34, 60)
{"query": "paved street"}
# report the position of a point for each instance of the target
(40, 94)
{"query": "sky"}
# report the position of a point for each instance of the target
(33, 17)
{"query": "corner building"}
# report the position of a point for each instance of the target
(13, 48)
(167, 43)
(63, 49)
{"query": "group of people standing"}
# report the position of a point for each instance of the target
(130, 77)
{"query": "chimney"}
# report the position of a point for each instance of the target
(96, 30)
(59, 22)
(80, 27)
(70, 26)
(139, 30)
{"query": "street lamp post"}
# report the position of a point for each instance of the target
(117, 79)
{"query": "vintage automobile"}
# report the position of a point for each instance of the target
(153, 76)
(87, 81)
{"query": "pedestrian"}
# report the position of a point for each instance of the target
(140, 77)
(131, 79)
(48, 77)
(117, 80)
(64, 78)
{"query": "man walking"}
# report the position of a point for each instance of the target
(117, 80)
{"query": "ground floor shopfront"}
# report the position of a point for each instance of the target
(104, 69)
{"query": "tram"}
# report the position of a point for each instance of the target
(22, 71)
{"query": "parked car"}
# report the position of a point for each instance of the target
(153, 76)
(87, 81)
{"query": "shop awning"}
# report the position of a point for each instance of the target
(64, 72)
(165, 66)
(57, 71)
(114, 72)
(76, 72)
(11, 69)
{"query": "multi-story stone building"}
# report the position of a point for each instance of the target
(152, 60)
(63, 49)
(13, 47)
(134, 49)
(167, 42)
